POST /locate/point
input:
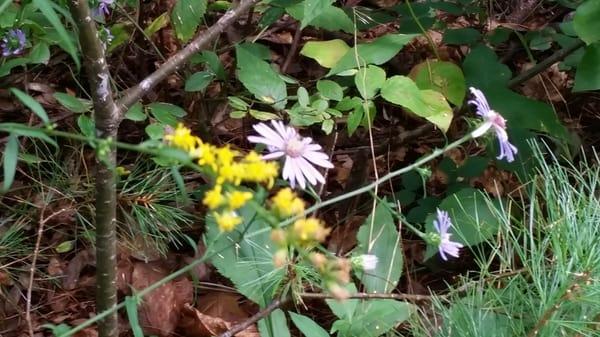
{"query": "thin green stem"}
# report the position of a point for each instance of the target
(429, 40)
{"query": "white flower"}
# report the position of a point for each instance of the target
(300, 153)
(442, 224)
(368, 262)
(492, 119)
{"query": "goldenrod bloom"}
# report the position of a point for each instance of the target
(227, 221)
(238, 199)
(182, 138)
(214, 198)
(286, 203)
(309, 230)
(207, 156)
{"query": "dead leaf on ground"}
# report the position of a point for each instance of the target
(343, 237)
(83, 258)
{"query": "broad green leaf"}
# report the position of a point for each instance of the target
(186, 17)
(7, 66)
(155, 131)
(164, 109)
(307, 326)
(122, 33)
(238, 114)
(9, 11)
(86, 125)
(262, 115)
(328, 126)
(45, 6)
(376, 52)
(330, 90)
(354, 119)
(424, 13)
(40, 53)
(374, 318)
(10, 157)
(23, 130)
(378, 236)
(586, 21)
(473, 217)
(157, 24)
(199, 81)
(402, 91)
(369, 80)
(482, 68)
(259, 77)
(212, 61)
(246, 261)
(344, 309)
(588, 71)
(444, 77)
(460, 36)
(32, 104)
(73, 103)
(439, 111)
(312, 9)
(303, 98)
(326, 53)
(328, 17)
(274, 325)
(136, 113)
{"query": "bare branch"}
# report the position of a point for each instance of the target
(177, 60)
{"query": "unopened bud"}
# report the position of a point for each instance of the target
(280, 258)
(318, 260)
(278, 237)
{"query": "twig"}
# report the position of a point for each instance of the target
(36, 252)
(175, 61)
(396, 296)
(293, 49)
(538, 68)
(254, 318)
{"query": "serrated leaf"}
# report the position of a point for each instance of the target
(376, 52)
(474, 219)
(73, 103)
(86, 125)
(369, 80)
(586, 21)
(45, 6)
(378, 236)
(444, 77)
(199, 81)
(9, 161)
(186, 17)
(32, 104)
(326, 53)
(307, 326)
(136, 113)
(330, 90)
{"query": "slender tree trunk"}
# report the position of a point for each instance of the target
(106, 117)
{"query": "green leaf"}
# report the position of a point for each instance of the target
(586, 21)
(482, 68)
(460, 36)
(186, 17)
(157, 24)
(333, 18)
(303, 98)
(60, 330)
(376, 52)
(354, 119)
(425, 15)
(330, 90)
(136, 113)
(199, 81)
(86, 125)
(73, 103)
(374, 318)
(23, 130)
(378, 236)
(65, 246)
(369, 80)
(439, 111)
(45, 6)
(312, 9)
(344, 309)
(328, 126)
(32, 104)
(166, 113)
(10, 157)
(307, 326)
(40, 53)
(326, 53)
(155, 131)
(131, 305)
(262, 115)
(473, 217)
(237, 114)
(444, 77)
(402, 91)
(212, 61)
(247, 263)
(588, 71)
(7, 66)
(275, 325)
(259, 78)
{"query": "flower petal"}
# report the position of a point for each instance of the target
(278, 144)
(318, 158)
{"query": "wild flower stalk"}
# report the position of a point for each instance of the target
(492, 119)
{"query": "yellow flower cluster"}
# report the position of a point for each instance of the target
(285, 203)
(228, 167)
(308, 231)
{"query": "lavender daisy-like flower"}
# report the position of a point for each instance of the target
(301, 154)
(492, 119)
(13, 42)
(103, 7)
(442, 224)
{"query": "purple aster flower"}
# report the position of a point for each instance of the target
(492, 119)
(103, 7)
(13, 42)
(300, 153)
(442, 225)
